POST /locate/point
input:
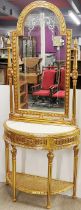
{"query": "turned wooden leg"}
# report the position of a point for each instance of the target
(76, 149)
(6, 159)
(14, 172)
(50, 160)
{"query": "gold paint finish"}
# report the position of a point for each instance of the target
(74, 77)
(76, 150)
(48, 142)
(10, 76)
(6, 159)
(50, 160)
(40, 115)
(38, 185)
(14, 172)
(40, 4)
(28, 183)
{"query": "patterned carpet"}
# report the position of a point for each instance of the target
(34, 202)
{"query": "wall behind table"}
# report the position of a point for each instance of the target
(4, 115)
(35, 161)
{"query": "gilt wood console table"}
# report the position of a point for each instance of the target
(37, 128)
(43, 137)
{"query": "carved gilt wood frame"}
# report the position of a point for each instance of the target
(29, 113)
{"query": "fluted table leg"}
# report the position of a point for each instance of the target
(14, 172)
(6, 159)
(50, 160)
(76, 149)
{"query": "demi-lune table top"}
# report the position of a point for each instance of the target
(40, 135)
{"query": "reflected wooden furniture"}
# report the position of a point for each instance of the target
(31, 78)
(3, 65)
(23, 94)
(31, 75)
(25, 80)
(40, 136)
(32, 64)
(27, 46)
(60, 92)
(43, 89)
(3, 71)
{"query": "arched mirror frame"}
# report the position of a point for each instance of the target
(29, 113)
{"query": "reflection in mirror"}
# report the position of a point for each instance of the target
(42, 63)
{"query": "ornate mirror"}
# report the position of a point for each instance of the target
(41, 47)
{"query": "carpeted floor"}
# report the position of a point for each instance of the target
(34, 202)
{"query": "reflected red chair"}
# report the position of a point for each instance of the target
(60, 93)
(48, 80)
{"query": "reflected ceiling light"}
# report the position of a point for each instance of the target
(74, 18)
(75, 8)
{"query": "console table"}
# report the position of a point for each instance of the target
(44, 137)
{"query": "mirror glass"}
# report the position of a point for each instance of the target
(42, 62)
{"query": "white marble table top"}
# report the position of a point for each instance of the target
(39, 129)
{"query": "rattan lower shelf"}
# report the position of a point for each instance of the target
(38, 185)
